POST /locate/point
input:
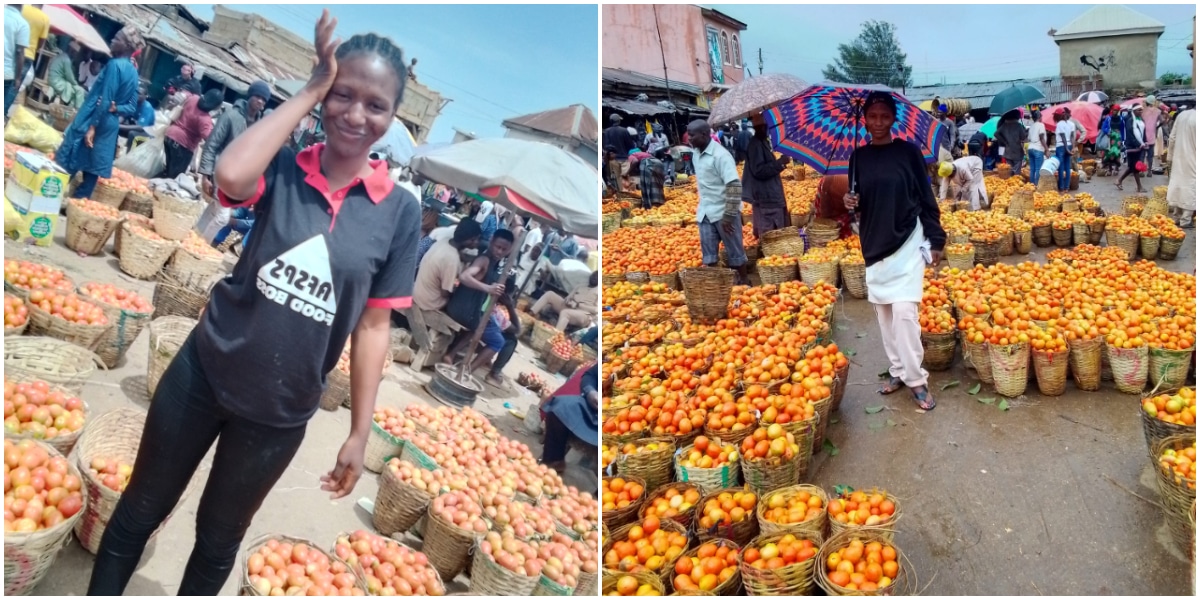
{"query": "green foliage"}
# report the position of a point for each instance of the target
(874, 57)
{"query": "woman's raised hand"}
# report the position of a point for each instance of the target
(325, 62)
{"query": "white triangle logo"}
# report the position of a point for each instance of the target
(301, 279)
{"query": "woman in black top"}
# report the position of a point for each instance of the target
(901, 232)
(252, 373)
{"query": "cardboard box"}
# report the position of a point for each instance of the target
(36, 187)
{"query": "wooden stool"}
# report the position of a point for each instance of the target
(433, 331)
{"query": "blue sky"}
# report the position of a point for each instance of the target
(959, 43)
(494, 61)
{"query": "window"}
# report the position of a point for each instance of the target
(725, 47)
(737, 52)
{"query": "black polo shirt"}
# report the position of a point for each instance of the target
(317, 257)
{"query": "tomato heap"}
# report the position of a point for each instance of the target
(31, 276)
(97, 209)
(797, 508)
(279, 568)
(863, 567)
(646, 547)
(16, 313)
(391, 569)
(861, 508)
(616, 493)
(39, 490)
(726, 509)
(713, 564)
(115, 296)
(111, 473)
(787, 551)
(1178, 408)
(34, 409)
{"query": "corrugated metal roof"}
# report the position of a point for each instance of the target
(1108, 20)
(633, 78)
(634, 107)
(576, 122)
(980, 94)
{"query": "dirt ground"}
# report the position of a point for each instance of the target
(1053, 497)
(296, 506)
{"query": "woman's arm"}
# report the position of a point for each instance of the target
(245, 160)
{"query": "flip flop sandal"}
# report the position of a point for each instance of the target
(892, 386)
(924, 400)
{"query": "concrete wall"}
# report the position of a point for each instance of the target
(631, 42)
(1130, 60)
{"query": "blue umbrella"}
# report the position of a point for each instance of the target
(989, 128)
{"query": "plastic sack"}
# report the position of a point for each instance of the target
(12, 218)
(25, 129)
(145, 161)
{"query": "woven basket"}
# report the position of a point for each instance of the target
(142, 204)
(766, 474)
(87, 233)
(1178, 495)
(381, 446)
(840, 378)
(777, 274)
(187, 263)
(782, 241)
(108, 194)
(962, 261)
(731, 586)
(1051, 370)
(796, 579)
(815, 525)
(1149, 246)
(167, 335)
(54, 361)
(1155, 206)
(119, 235)
(141, 256)
(29, 556)
(587, 584)
(542, 334)
(885, 529)
(1062, 237)
(1169, 248)
(986, 253)
(175, 217)
(447, 546)
(813, 273)
(1010, 368)
(741, 532)
(823, 408)
(653, 468)
(1156, 430)
(126, 326)
(671, 280)
(978, 357)
(954, 237)
(398, 505)
(65, 442)
(1130, 368)
(901, 585)
(609, 582)
(619, 517)
(113, 435)
(939, 350)
(1043, 235)
(1081, 233)
(179, 294)
(805, 432)
(1168, 369)
(554, 362)
(1125, 241)
(246, 589)
(637, 277)
(683, 520)
(1084, 360)
(80, 334)
(822, 231)
(707, 291)
(344, 380)
(707, 479)
(609, 279)
(854, 276)
(1020, 203)
(663, 574)
(1006, 244)
(1022, 242)
(610, 222)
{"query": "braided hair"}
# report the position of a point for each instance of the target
(382, 47)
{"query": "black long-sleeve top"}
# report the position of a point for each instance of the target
(761, 184)
(894, 192)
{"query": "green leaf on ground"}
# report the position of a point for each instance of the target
(834, 420)
(842, 489)
(975, 389)
(987, 400)
(874, 409)
(830, 448)
(1003, 405)
(860, 335)
(876, 426)
(849, 352)
(891, 423)
(843, 328)
(946, 386)
(884, 374)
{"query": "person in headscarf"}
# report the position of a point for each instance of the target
(185, 134)
(488, 223)
(60, 75)
(1181, 154)
(965, 176)
(1010, 137)
(762, 187)
(901, 233)
(90, 143)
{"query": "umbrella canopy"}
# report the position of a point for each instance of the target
(969, 129)
(66, 21)
(1132, 102)
(1086, 113)
(533, 178)
(754, 95)
(398, 144)
(1093, 97)
(824, 124)
(1015, 97)
(989, 128)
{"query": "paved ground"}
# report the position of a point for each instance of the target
(1053, 497)
(296, 506)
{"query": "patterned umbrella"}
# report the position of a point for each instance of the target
(1094, 97)
(822, 125)
(754, 95)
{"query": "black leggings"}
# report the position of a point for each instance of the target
(183, 422)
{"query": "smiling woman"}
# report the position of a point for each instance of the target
(253, 370)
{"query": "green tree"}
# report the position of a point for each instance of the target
(874, 57)
(1172, 78)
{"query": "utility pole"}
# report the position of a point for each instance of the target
(760, 63)
(662, 52)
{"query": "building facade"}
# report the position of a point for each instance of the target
(573, 128)
(1111, 41)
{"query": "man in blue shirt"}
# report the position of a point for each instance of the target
(136, 126)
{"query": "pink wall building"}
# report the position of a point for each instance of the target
(701, 47)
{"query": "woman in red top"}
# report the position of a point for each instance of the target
(185, 134)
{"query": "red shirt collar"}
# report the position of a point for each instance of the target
(379, 183)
